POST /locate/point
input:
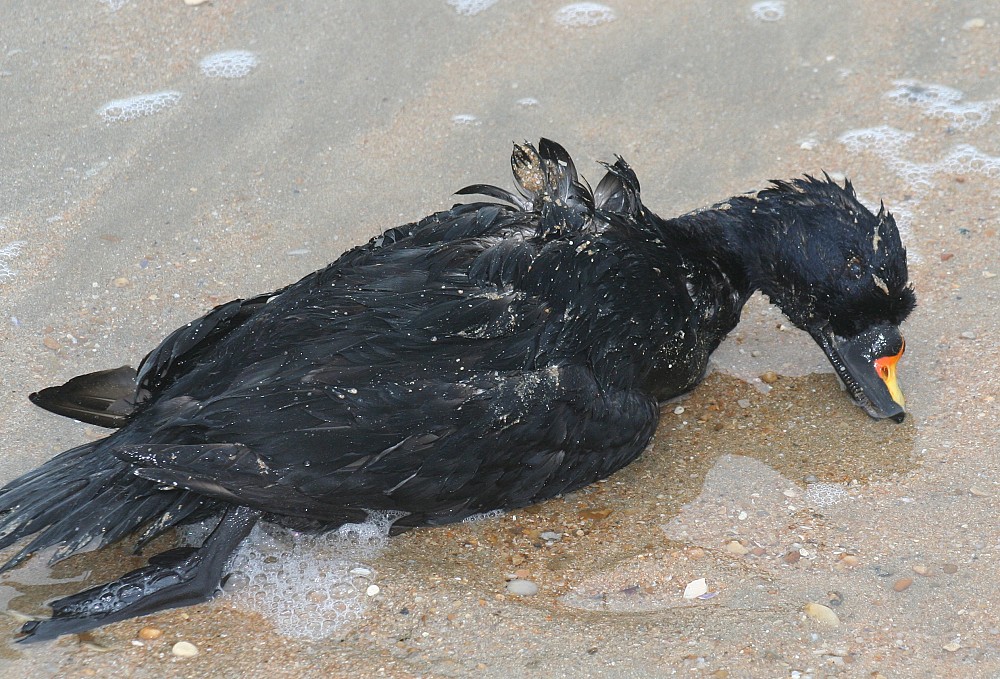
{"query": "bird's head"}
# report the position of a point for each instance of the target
(837, 271)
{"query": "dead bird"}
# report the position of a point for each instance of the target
(486, 357)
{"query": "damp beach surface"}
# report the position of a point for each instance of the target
(163, 157)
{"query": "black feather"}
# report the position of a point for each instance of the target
(106, 398)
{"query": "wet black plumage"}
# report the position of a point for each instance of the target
(487, 357)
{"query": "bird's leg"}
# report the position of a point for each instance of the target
(178, 577)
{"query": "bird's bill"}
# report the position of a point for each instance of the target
(866, 364)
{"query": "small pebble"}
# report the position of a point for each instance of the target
(921, 569)
(120, 282)
(743, 403)
(989, 274)
(149, 633)
(952, 647)
(978, 492)
(51, 343)
(695, 588)
(769, 377)
(193, 3)
(594, 513)
(184, 649)
(551, 535)
(372, 590)
(87, 640)
(734, 547)
(792, 557)
(902, 584)
(949, 568)
(968, 334)
(973, 24)
(824, 615)
(679, 410)
(849, 560)
(522, 588)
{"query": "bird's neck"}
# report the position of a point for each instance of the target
(725, 245)
(700, 262)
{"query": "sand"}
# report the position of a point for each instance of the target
(361, 116)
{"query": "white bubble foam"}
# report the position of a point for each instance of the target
(485, 516)
(528, 102)
(940, 101)
(884, 136)
(9, 252)
(584, 14)
(471, 7)
(967, 159)
(121, 110)
(825, 494)
(768, 10)
(465, 119)
(228, 64)
(889, 144)
(115, 5)
(308, 585)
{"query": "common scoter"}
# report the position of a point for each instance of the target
(487, 357)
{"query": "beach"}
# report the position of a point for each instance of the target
(160, 158)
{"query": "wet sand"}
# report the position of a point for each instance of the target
(118, 232)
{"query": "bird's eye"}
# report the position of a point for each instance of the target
(854, 267)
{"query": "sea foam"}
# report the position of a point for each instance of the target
(940, 101)
(138, 106)
(582, 14)
(464, 119)
(228, 64)
(890, 143)
(308, 585)
(768, 10)
(8, 252)
(821, 495)
(471, 7)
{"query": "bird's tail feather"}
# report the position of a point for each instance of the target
(86, 496)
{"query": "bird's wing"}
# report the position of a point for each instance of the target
(183, 347)
(440, 450)
(421, 375)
